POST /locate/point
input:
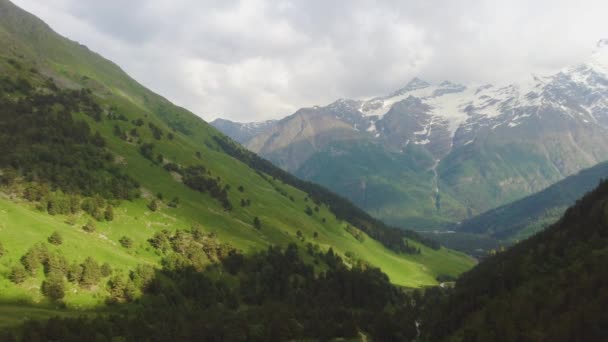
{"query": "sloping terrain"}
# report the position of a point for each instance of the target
(522, 218)
(551, 287)
(101, 178)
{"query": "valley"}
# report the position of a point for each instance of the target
(439, 212)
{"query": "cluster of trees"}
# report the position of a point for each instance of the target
(193, 248)
(391, 237)
(41, 141)
(551, 287)
(270, 296)
(197, 178)
(57, 269)
(157, 133)
(60, 203)
(356, 233)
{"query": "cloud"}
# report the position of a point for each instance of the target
(257, 59)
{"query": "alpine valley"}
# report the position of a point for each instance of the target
(104, 185)
(124, 217)
(431, 154)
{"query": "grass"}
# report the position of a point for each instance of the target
(21, 225)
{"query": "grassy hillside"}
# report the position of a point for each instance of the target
(143, 134)
(522, 218)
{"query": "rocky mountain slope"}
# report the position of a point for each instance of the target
(449, 151)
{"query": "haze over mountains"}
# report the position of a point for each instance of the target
(428, 154)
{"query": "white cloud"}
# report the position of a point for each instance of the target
(259, 59)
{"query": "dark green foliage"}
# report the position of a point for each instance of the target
(194, 248)
(90, 227)
(343, 209)
(2, 250)
(138, 122)
(74, 273)
(156, 131)
(147, 151)
(154, 205)
(108, 214)
(269, 296)
(241, 188)
(308, 211)
(126, 242)
(356, 233)
(55, 238)
(196, 178)
(8, 176)
(56, 264)
(121, 289)
(174, 203)
(257, 224)
(142, 276)
(106, 270)
(53, 286)
(40, 138)
(161, 241)
(34, 258)
(551, 287)
(18, 274)
(91, 273)
(97, 208)
(172, 167)
(119, 133)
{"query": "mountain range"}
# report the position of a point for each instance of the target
(428, 155)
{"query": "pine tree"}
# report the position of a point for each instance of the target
(54, 287)
(109, 213)
(18, 274)
(91, 272)
(55, 238)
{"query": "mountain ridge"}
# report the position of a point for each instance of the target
(488, 145)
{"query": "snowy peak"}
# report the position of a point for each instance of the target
(414, 84)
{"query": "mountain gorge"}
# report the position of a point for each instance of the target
(427, 155)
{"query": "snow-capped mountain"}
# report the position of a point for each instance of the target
(475, 146)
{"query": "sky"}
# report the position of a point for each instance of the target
(253, 60)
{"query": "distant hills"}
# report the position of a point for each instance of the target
(525, 217)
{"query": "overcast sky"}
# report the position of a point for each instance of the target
(251, 60)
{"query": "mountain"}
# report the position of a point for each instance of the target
(551, 287)
(522, 218)
(105, 184)
(426, 155)
(242, 132)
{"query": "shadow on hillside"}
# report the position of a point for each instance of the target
(269, 296)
